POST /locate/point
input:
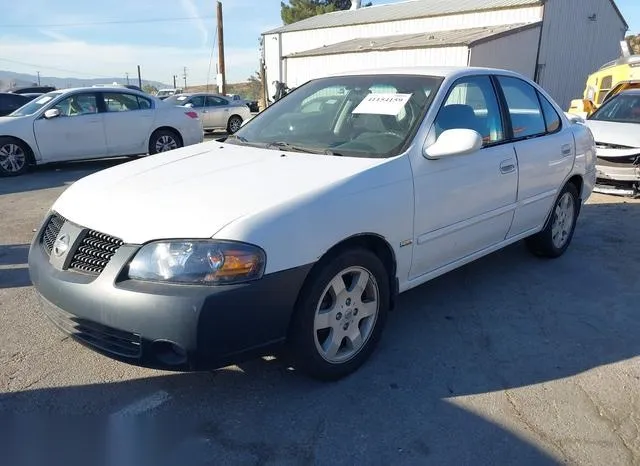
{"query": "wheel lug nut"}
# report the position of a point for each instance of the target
(348, 302)
(346, 326)
(355, 312)
(339, 316)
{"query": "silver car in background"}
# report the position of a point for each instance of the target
(216, 112)
(616, 129)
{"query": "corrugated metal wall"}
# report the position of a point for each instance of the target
(300, 70)
(515, 52)
(573, 46)
(306, 40)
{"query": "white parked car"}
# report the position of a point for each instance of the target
(616, 129)
(301, 229)
(216, 112)
(88, 123)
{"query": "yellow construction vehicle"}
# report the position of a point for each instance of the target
(609, 80)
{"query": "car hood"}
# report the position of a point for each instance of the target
(621, 134)
(195, 191)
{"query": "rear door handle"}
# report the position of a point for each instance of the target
(507, 166)
(566, 150)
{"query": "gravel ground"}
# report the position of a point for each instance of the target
(535, 362)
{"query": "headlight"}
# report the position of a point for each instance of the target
(198, 262)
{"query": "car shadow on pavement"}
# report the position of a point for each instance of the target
(55, 175)
(14, 272)
(503, 323)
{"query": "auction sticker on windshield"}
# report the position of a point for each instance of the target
(382, 104)
(43, 100)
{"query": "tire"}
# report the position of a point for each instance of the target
(333, 333)
(234, 124)
(15, 157)
(557, 234)
(164, 140)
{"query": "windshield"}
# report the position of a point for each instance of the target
(623, 108)
(360, 116)
(35, 105)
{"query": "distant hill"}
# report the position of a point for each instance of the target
(9, 79)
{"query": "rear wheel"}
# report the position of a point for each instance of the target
(234, 124)
(555, 238)
(14, 157)
(163, 140)
(340, 316)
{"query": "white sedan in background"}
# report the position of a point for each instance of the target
(87, 123)
(216, 111)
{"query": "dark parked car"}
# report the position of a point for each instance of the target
(10, 102)
(32, 89)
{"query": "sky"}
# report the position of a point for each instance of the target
(65, 38)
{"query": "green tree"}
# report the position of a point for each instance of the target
(149, 89)
(297, 10)
(634, 43)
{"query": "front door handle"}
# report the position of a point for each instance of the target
(507, 166)
(566, 150)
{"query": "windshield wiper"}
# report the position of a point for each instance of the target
(293, 148)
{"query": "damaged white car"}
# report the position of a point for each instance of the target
(616, 129)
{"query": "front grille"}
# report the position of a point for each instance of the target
(107, 339)
(54, 224)
(94, 253)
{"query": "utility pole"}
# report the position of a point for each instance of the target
(174, 81)
(222, 71)
(38, 77)
(127, 75)
(139, 78)
(184, 76)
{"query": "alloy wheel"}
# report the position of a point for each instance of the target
(12, 158)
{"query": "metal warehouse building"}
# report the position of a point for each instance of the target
(556, 42)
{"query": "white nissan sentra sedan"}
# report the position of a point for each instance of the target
(295, 235)
(89, 123)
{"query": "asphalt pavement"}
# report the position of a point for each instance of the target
(510, 360)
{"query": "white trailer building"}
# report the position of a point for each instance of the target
(556, 42)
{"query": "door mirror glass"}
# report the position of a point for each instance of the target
(460, 141)
(52, 113)
(189, 105)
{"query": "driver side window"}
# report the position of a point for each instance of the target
(472, 104)
(78, 104)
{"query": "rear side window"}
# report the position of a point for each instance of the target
(551, 117)
(12, 102)
(527, 119)
(143, 103)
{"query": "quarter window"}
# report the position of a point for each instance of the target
(524, 108)
(472, 104)
(197, 101)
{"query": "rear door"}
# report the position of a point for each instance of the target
(128, 120)
(545, 151)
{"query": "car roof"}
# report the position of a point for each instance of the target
(630, 92)
(98, 89)
(439, 71)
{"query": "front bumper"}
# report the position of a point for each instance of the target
(171, 327)
(618, 180)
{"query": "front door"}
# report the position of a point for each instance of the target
(78, 133)
(218, 109)
(464, 204)
(545, 152)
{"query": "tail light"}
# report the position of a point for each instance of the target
(191, 114)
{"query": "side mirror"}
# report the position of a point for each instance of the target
(454, 142)
(52, 113)
(189, 105)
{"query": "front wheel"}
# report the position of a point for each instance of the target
(340, 316)
(164, 140)
(14, 157)
(234, 124)
(555, 238)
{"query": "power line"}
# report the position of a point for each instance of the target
(107, 23)
(53, 68)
